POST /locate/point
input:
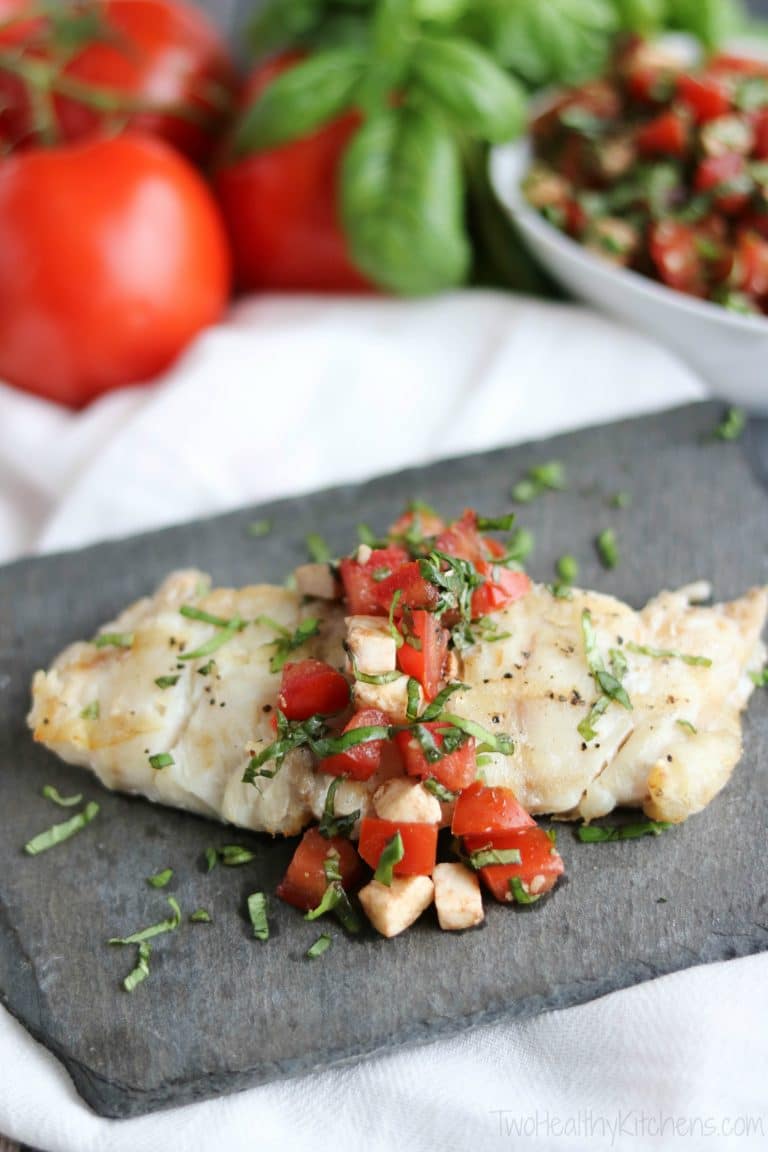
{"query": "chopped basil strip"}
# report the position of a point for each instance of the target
(496, 523)
(621, 500)
(160, 879)
(733, 424)
(486, 741)
(91, 711)
(207, 668)
(669, 654)
(413, 692)
(371, 677)
(586, 728)
(542, 477)
(687, 725)
(193, 613)
(592, 834)
(257, 911)
(392, 854)
(366, 535)
(200, 916)
(335, 898)
(519, 892)
(61, 832)
(609, 684)
(161, 760)
(55, 796)
(519, 547)
(322, 944)
(318, 549)
(113, 640)
(233, 855)
(259, 528)
(561, 591)
(330, 824)
(568, 569)
(439, 790)
(332, 745)
(760, 678)
(167, 681)
(211, 858)
(618, 662)
(224, 634)
(433, 710)
(487, 856)
(393, 630)
(607, 548)
(169, 925)
(288, 642)
(141, 971)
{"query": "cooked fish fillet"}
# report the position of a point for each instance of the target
(670, 754)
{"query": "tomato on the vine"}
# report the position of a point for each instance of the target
(112, 257)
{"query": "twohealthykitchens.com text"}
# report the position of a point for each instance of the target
(586, 1125)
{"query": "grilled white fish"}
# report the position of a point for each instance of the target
(102, 708)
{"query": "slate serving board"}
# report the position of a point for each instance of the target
(222, 1011)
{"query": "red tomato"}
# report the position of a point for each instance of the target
(361, 761)
(361, 587)
(281, 207)
(462, 539)
(456, 770)
(740, 65)
(428, 523)
(705, 96)
(673, 251)
(752, 264)
(538, 870)
(480, 810)
(112, 257)
(312, 688)
(164, 55)
(415, 591)
(502, 586)
(426, 661)
(647, 84)
(666, 135)
(760, 129)
(419, 845)
(718, 172)
(305, 882)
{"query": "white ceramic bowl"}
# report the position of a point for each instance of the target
(728, 350)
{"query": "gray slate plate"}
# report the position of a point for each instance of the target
(222, 1011)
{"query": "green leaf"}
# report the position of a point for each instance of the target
(279, 24)
(470, 88)
(607, 833)
(392, 854)
(645, 17)
(61, 832)
(257, 912)
(141, 971)
(55, 797)
(301, 100)
(169, 925)
(712, 21)
(160, 879)
(402, 202)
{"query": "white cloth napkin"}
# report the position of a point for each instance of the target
(287, 396)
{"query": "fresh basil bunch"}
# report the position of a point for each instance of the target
(437, 81)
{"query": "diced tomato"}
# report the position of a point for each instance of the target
(646, 84)
(666, 135)
(362, 760)
(752, 264)
(502, 586)
(419, 845)
(673, 251)
(415, 591)
(361, 586)
(305, 882)
(426, 522)
(539, 868)
(740, 65)
(727, 174)
(426, 661)
(481, 810)
(456, 770)
(705, 96)
(462, 539)
(312, 687)
(760, 129)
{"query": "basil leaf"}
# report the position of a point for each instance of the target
(439, 791)
(160, 879)
(332, 745)
(520, 893)
(488, 856)
(688, 725)
(289, 642)
(167, 681)
(141, 971)
(568, 569)
(330, 824)
(211, 858)
(732, 425)
(322, 944)
(161, 760)
(193, 613)
(486, 741)
(592, 834)
(61, 832)
(55, 796)
(259, 528)
(301, 100)
(711, 21)
(169, 925)
(413, 698)
(317, 548)
(496, 523)
(113, 640)
(433, 710)
(224, 634)
(607, 548)
(669, 654)
(402, 202)
(91, 711)
(760, 679)
(392, 854)
(257, 911)
(200, 916)
(233, 855)
(470, 88)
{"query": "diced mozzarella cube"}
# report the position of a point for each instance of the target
(316, 580)
(401, 799)
(458, 900)
(391, 698)
(372, 644)
(393, 909)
